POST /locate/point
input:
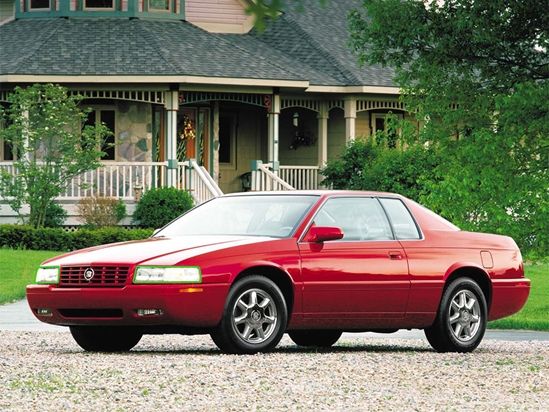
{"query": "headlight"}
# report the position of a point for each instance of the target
(47, 274)
(172, 274)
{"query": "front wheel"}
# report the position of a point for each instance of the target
(315, 338)
(254, 318)
(105, 339)
(461, 318)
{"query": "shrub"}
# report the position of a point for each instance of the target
(26, 237)
(158, 207)
(367, 165)
(97, 212)
(55, 215)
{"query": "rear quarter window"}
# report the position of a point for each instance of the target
(404, 225)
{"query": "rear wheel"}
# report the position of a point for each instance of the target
(318, 338)
(105, 339)
(254, 318)
(461, 318)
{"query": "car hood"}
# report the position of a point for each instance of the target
(142, 251)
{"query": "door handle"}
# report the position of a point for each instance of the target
(395, 255)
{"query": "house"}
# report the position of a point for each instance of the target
(192, 79)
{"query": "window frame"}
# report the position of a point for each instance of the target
(99, 108)
(29, 5)
(231, 164)
(168, 10)
(86, 8)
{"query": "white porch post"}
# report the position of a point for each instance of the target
(274, 115)
(215, 168)
(323, 134)
(172, 107)
(350, 119)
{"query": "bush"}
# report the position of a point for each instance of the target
(158, 207)
(97, 212)
(25, 237)
(367, 165)
(55, 215)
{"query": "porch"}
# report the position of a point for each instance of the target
(129, 180)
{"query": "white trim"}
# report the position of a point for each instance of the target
(355, 89)
(182, 80)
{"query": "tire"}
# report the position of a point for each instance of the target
(254, 318)
(105, 339)
(461, 318)
(315, 338)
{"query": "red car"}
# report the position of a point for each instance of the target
(246, 268)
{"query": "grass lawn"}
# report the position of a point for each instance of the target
(18, 269)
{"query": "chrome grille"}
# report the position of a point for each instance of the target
(104, 276)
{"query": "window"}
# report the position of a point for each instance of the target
(227, 139)
(403, 222)
(160, 5)
(381, 123)
(360, 218)
(108, 117)
(99, 4)
(7, 152)
(39, 4)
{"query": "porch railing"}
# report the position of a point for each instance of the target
(126, 180)
(286, 178)
(301, 177)
(200, 183)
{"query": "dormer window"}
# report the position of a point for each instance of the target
(99, 4)
(39, 4)
(160, 5)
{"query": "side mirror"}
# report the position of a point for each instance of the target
(319, 234)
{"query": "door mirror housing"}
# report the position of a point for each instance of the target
(320, 234)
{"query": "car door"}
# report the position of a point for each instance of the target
(363, 275)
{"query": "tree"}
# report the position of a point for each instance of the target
(476, 73)
(45, 128)
(263, 10)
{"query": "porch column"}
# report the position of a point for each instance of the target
(215, 167)
(323, 134)
(172, 106)
(350, 119)
(274, 114)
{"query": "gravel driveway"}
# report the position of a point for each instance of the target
(47, 371)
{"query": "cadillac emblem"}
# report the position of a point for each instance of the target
(88, 274)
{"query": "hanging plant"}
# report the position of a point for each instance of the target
(302, 137)
(185, 128)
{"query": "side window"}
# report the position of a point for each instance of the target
(360, 218)
(403, 223)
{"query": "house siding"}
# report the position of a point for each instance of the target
(215, 11)
(7, 10)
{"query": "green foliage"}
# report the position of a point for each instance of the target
(158, 207)
(366, 165)
(45, 126)
(262, 10)
(97, 212)
(27, 238)
(476, 75)
(55, 215)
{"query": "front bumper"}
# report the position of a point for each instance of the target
(198, 305)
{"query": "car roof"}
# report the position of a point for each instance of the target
(324, 193)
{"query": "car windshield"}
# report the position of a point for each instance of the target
(248, 215)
